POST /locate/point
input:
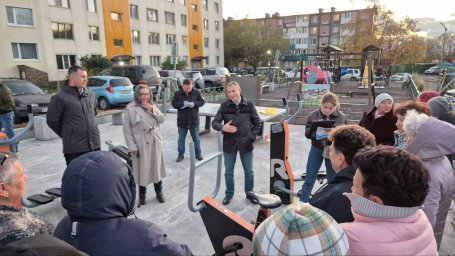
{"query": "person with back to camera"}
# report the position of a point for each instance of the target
(16, 222)
(431, 140)
(7, 113)
(345, 140)
(380, 120)
(329, 110)
(144, 141)
(187, 101)
(390, 186)
(99, 193)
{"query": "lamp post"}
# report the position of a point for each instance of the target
(443, 41)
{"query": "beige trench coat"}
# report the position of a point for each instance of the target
(141, 131)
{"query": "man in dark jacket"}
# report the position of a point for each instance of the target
(241, 126)
(187, 102)
(6, 113)
(346, 141)
(99, 193)
(71, 115)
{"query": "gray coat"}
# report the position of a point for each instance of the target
(431, 147)
(71, 115)
(141, 131)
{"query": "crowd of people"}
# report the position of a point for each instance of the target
(389, 188)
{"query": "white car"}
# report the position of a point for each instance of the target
(352, 74)
(291, 74)
(399, 76)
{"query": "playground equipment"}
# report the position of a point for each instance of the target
(228, 232)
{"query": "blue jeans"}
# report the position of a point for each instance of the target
(315, 159)
(7, 123)
(247, 163)
(194, 131)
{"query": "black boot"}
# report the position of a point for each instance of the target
(160, 197)
(142, 192)
(159, 191)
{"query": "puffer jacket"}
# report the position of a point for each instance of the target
(71, 116)
(187, 117)
(245, 117)
(432, 147)
(6, 99)
(98, 192)
(317, 115)
(382, 127)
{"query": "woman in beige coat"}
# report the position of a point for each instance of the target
(143, 138)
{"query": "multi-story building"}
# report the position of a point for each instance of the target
(52, 35)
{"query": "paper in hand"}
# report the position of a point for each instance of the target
(322, 133)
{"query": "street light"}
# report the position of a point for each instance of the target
(443, 41)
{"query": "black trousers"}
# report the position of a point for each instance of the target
(71, 156)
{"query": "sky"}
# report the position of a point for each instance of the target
(440, 10)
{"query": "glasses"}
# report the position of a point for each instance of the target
(144, 94)
(5, 156)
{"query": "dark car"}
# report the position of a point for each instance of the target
(138, 74)
(26, 93)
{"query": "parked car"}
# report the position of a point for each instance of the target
(26, 93)
(352, 74)
(450, 94)
(138, 74)
(178, 75)
(196, 78)
(290, 74)
(399, 76)
(111, 90)
(433, 71)
(214, 77)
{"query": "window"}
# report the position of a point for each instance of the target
(134, 13)
(314, 30)
(93, 33)
(217, 43)
(208, 70)
(314, 19)
(136, 36)
(19, 16)
(216, 6)
(335, 29)
(217, 25)
(116, 16)
(154, 38)
(152, 15)
(183, 20)
(205, 5)
(194, 7)
(184, 40)
(182, 2)
(155, 61)
(62, 31)
(313, 41)
(64, 62)
(206, 24)
(194, 27)
(217, 60)
(170, 39)
(195, 47)
(206, 42)
(91, 5)
(118, 42)
(170, 1)
(59, 3)
(138, 60)
(336, 17)
(170, 17)
(24, 51)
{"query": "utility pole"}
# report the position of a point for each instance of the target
(443, 41)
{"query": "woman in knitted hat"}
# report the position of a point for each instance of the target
(390, 186)
(380, 120)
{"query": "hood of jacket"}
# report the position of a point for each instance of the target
(433, 139)
(97, 186)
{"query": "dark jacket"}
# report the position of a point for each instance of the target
(98, 192)
(317, 115)
(382, 128)
(187, 117)
(6, 99)
(245, 117)
(331, 199)
(71, 115)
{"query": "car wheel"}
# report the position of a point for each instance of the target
(352, 78)
(103, 103)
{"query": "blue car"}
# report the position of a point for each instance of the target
(111, 90)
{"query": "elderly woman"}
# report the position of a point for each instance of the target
(431, 140)
(16, 223)
(143, 138)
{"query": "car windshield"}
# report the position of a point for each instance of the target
(121, 82)
(23, 87)
(187, 75)
(196, 75)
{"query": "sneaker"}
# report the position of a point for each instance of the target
(227, 200)
(179, 158)
(199, 157)
(252, 200)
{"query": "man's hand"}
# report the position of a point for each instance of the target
(229, 128)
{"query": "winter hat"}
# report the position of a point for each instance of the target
(300, 229)
(425, 96)
(382, 97)
(440, 106)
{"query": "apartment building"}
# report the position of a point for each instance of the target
(50, 36)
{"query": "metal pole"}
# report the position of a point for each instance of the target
(443, 42)
(370, 66)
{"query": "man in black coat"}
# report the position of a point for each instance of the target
(346, 141)
(241, 126)
(187, 102)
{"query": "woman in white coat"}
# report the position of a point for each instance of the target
(143, 138)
